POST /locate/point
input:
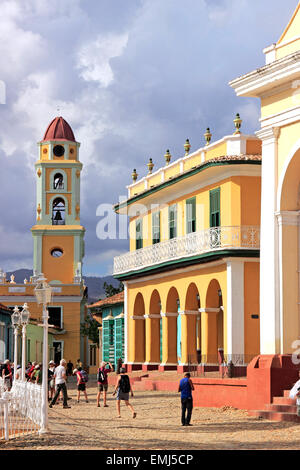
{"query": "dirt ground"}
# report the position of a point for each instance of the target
(156, 427)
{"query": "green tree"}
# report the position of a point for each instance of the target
(90, 329)
(111, 290)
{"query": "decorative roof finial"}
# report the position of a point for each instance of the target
(134, 175)
(150, 166)
(237, 123)
(187, 146)
(168, 157)
(207, 136)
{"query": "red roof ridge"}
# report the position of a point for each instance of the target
(114, 299)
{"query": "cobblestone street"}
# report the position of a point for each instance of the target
(156, 427)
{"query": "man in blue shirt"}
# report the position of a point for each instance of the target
(185, 387)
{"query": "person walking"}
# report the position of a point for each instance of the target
(36, 376)
(103, 382)
(123, 388)
(185, 387)
(30, 371)
(51, 386)
(70, 368)
(7, 375)
(81, 384)
(60, 377)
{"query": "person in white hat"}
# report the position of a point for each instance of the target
(51, 385)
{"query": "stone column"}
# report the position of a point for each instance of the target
(269, 276)
(169, 340)
(235, 307)
(188, 336)
(152, 337)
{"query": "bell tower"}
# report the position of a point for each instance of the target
(58, 234)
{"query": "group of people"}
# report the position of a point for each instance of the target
(57, 385)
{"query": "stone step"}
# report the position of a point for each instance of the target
(283, 401)
(286, 393)
(281, 408)
(275, 416)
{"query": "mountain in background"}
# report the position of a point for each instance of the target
(94, 283)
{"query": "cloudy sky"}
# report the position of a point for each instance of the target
(133, 78)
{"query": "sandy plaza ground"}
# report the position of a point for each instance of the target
(156, 427)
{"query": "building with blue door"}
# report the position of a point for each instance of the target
(109, 312)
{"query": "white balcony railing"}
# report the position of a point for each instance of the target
(197, 243)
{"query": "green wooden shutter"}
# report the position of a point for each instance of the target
(108, 340)
(119, 339)
(191, 215)
(155, 227)
(139, 234)
(214, 208)
(173, 221)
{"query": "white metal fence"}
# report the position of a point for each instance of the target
(20, 409)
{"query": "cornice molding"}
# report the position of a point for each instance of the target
(275, 73)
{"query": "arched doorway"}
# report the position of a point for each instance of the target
(191, 326)
(138, 339)
(171, 325)
(154, 331)
(288, 320)
(212, 322)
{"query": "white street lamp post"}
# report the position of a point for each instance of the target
(24, 318)
(15, 319)
(43, 296)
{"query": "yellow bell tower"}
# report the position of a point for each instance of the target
(58, 235)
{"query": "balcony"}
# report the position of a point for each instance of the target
(207, 241)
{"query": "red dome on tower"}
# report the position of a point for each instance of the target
(59, 129)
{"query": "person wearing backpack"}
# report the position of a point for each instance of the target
(123, 388)
(82, 379)
(103, 382)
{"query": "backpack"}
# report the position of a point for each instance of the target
(84, 376)
(124, 384)
(100, 376)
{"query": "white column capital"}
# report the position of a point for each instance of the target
(287, 217)
(209, 310)
(188, 312)
(152, 315)
(269, 134)
(169, 314)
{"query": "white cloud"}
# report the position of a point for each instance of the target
(94, 58)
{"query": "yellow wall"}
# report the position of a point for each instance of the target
(239, 204)
(251, 307)
(62, 268)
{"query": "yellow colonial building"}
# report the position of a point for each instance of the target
(58, 243)
(277, 84)
(192, 273)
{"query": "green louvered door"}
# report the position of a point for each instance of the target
(108, 341)
(119, 340)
